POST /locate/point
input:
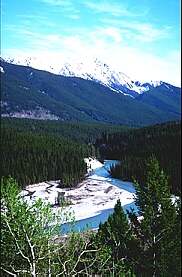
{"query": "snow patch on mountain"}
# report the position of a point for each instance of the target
(37, 113)
(155, 83)
(2, 69)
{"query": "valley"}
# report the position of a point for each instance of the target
(90, 138)
(84, 206)
(91, 168)
(89, 201)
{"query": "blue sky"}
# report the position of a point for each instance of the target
(140, 38)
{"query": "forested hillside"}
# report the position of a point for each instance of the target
(40, 147)
(32, 158)
(35, 150)
(132, 148)
(31, 93)
(76, 131)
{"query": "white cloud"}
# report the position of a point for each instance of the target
(57, 3)
(107, 33)
(137, 30)
(106, 44)
(147, 32)
(113, 9)
(145, 66)
(67, 7)
(35, 20)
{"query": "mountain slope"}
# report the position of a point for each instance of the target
(28, 92)
(165, 97)
(89, 68)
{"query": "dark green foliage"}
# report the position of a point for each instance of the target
(32, 158)
(36, 150)
(116, 235)
(134, 147)
(77, 131)
(25, 89)
(158, 229)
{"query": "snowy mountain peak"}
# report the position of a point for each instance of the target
(89, 68)
(99, 71)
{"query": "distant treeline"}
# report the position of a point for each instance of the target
(134, 147)
(76, 131)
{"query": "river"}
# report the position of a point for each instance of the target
(93, 222)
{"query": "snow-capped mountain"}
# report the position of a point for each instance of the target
(100, 72)
(39, 94)
(90, 69)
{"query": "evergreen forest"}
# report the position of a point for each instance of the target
(36, 151)
(32, 158)
(133, 147)
(77, 131)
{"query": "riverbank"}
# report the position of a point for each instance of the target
(95, 196)
(91, 197)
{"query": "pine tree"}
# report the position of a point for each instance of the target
(116, 234)
(157, 223)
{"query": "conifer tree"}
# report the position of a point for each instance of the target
(116, 234)
(157, 224)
